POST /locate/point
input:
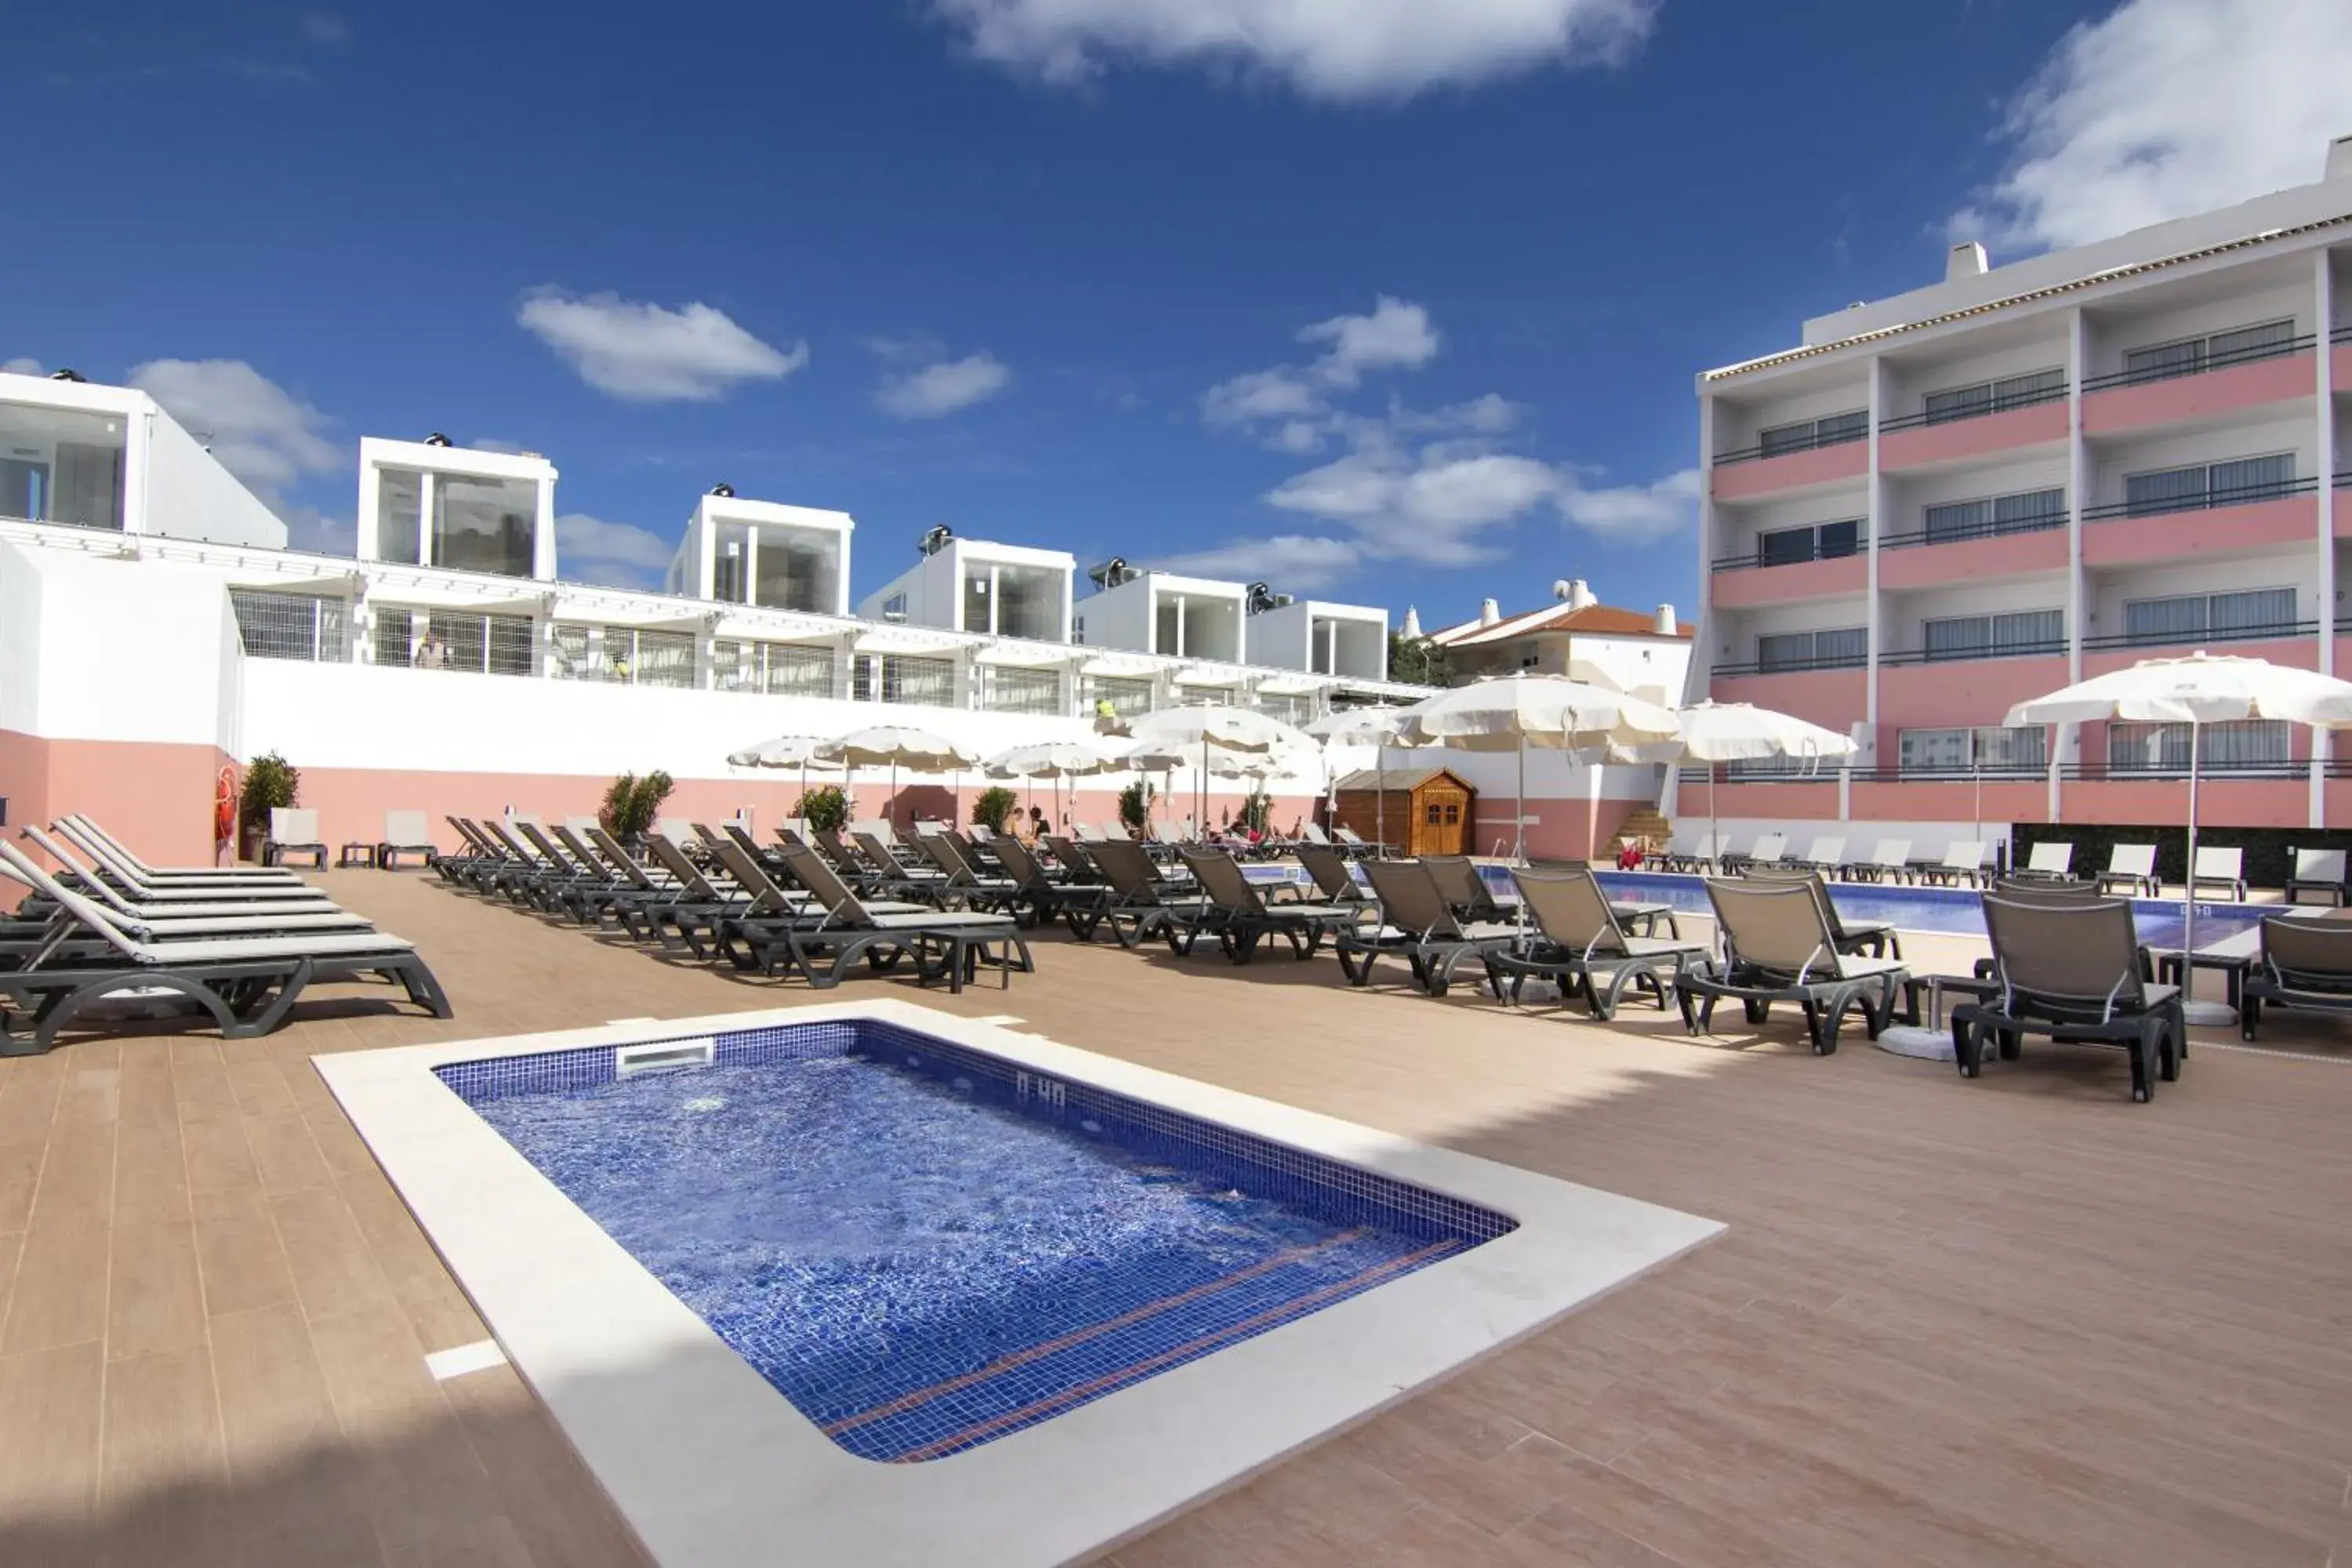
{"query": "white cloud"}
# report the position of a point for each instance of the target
(2166, 108)
(645, 353)
(326, 30)
(1396, 336)
(1261, 395)
(1632, 514)
(308, 528)
(21, 367)
(260, 432)
(614, 554)
(1336, 49)
(1292, 560)
(942, 388)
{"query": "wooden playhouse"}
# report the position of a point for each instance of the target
(1417, 811)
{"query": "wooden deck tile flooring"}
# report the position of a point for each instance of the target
(2018, 1321)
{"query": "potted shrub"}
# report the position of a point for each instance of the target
(993, 806)
(1134, 806)
(825, 808)
(1257, 811)
(269, 781)
(632, 804)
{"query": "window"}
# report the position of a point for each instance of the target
(1838, 650)
(893, 608)
(493, 645)
(2188, 356)
(2253, 612)
(61, 465)
(484, 525)
(1822, 541)
(1993, 396)
(1289, 709)
(399, 515)
(1807, 434)
(1989, 515)
(731, 562)
(779, 669)
(903, 677)
(576, 658)
(1996, 637)
(1004, 689)
(1126, 697)
(1927, 753)
(291, 625)
(1029, 603)
(2250, 745)
(2203, 485)
(393, 632)
(797, 569)
(648, 658)
(978, 614)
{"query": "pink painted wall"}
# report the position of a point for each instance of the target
(1959, 691)
(154, 796)
(1807, 802)
(2006, 555)
(2189, 397)
(2221, 803)
(1797, 580)
(2222, 530)
(1829, 697)
(2297, 653)
(2015, 427)
(2010, 800)
(1793, 470)
(1560, 831)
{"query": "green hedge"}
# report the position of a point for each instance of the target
(2270, 856)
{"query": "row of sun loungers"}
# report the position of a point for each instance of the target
(241, 945)
(770, 910)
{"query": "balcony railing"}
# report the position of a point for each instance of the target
(2208, 500)
(2200, 639)
(1941, 773)
(1786, 444)
(1794, 666)
(1784, 556)
(2340, 335)
(2202, 363)
(1974, 651)
(2168, 770)
(2040, 523)
(1974, 410)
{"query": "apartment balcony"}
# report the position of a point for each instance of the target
(1946, 794)
(2151, 398)
(2003, 426)
(1765, 796)
(1830, 692)
(1919, 690)
(2222, 523)
(2292, 643)
(1785, 466)
(2015, 549)
(1736, 582)
(2274, 795)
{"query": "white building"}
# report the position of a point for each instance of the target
(428, 503)
(973, 586)
(1162, 613)
(97, 456)
(741, 551)
(1318, 636)
(1580, 637)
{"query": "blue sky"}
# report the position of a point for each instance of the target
(1393, 301)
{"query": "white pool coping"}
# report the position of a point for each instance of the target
(711, 1465)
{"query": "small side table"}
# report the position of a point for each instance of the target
(355, 854)
(2234, 967)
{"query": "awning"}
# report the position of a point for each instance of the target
(828, 633)
(473, 601)
(334, 584)
(1025, 654)
(1202, 675)
(906, 639)
(1121, 666)
(1289, 686)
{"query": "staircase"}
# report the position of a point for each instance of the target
(1645, 822)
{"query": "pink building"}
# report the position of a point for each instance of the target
(1946, 501)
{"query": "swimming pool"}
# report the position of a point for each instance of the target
(924, 1248)
(1106, 1323)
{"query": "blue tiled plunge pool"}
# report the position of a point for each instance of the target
(925, 1247)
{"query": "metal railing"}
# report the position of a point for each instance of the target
(2169, 772)
(1782, 449)
(2200, 639)
(1793, 665)
(1760, 557)
(2209, 500)
(2202, 363)
(1942, 774)
(2040, 523)
(2041, 649)
(1974, 410)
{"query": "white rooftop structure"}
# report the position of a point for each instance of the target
(1322, 638)
(973, 586)
(428, 503)
(1163, 613)
(742, 552)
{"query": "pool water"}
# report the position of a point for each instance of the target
(924, 1249)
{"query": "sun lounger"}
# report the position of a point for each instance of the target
(1962, 865)
(1356, 843)
(1241, 919)
(1889, 860)
(966, 886)
(293, 831)
(1780, 947)
(404, 833)
(2133, 865)
(185, 917)
(1077, 898)
(91, 835)
(1416, 923)
(1703, 855)
(1332, 878)
(1578, 944)
(1466, 887)
(1769, 848)
(2318, 871)
(1825, 854)
(276, 889)
(2220, 867)
(2304, 964)
(1141, 900)
(945, 944)
(247, 984)
(2051, 858)
(1867, 939)
(2073, 973)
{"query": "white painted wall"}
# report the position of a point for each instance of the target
(1739, 424)
(20, 639)
(125, 650)
(1908, 384)
(190, 495)
(1284, 637)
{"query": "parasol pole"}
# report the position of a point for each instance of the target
(2188, 892)
(1519, 808)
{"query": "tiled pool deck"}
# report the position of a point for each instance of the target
(2021, 1320)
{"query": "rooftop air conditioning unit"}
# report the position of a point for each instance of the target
(935, 540)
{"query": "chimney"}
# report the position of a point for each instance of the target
(2339, 159)
(1580, 595)
(1490, 612)
(1964, 260)
(1665, 624)
(1411, 621)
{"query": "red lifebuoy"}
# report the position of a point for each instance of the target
(225, 808)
